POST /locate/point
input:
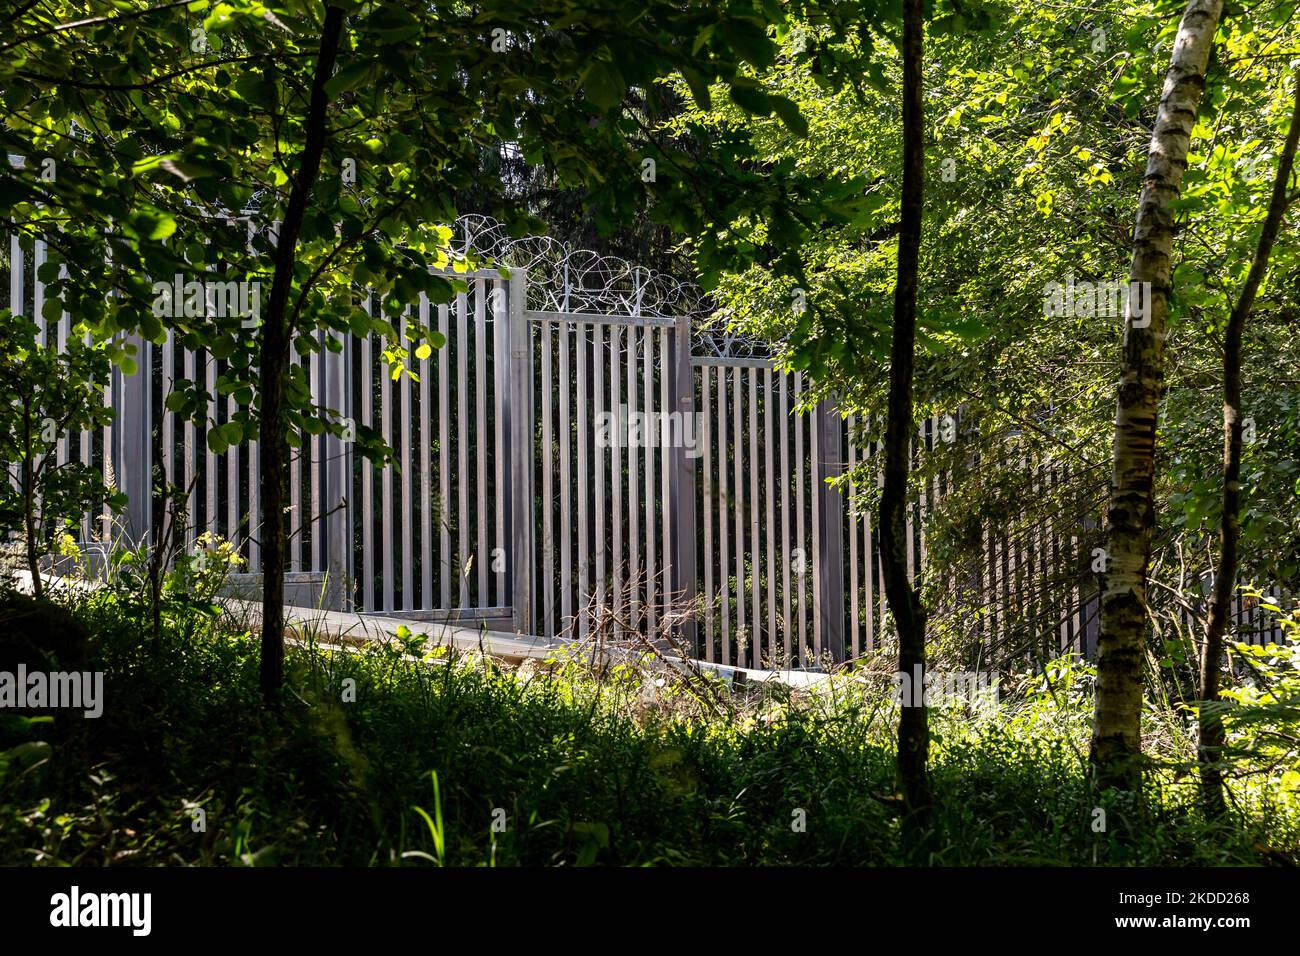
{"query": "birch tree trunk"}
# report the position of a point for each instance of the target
(1225, 574)
(1116, 734)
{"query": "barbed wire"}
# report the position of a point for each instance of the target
(562, 278)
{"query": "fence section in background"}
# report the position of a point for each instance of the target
(561, 471)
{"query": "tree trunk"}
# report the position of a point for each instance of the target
(157, 534)
(29, 523)
(904, 602)
(29, 506)
(277, 338)
(1225, 574)
(1116, 734)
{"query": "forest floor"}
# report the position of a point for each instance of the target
(380, 758)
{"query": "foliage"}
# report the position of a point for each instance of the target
(53, 391)
(588, 768)
(1262, 714)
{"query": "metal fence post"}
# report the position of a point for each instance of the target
(132, 447)
(338, 471)
(682, 483)
(519, 425)
(830, 515)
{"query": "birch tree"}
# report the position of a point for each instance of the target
(1116, 735)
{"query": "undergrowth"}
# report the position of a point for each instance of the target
(401, 754)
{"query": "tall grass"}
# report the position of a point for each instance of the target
(555, 764)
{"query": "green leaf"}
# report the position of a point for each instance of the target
(154, 227)
(350, 77)
(603, 85)
(751, 99)
(256, 90)
(393, 24)
(788, 112)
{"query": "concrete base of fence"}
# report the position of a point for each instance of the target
(308, 589)
(351, 629)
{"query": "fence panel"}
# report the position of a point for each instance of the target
(564, 470)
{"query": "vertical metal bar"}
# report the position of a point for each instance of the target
(426, 469)
(481, 556)
(724, 556)
(209, 458)
(444, 462)
(868, 567)
(463, 556)
(666, 459)
(1035, 555)
(987, 580)
(16, 267)
(254, 508)
(135, 420)
(187, 449)
(653, 580)
(169, 417)
(880, 564)
(315, 522)
(500, 404)
(112, 395)
(61, 456)
(633, 491)
(548, 501)
(232, 476)
(598, 464)
(803, 555)
(769, 532)
(584, 480)
(338, 538)
(521, 457)
(386, 516)
(815, 475)
(853, 540)
(923, 503)
(617, 561)
(86, 460)
(756, 551)
(682, 486)
(1061, 563)
(830, 507)
(738, 490)
(784, 432)
(706, 408)
(566, 482)
(530, 392)
(367, 510)
(406, 519)
(38, 292)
